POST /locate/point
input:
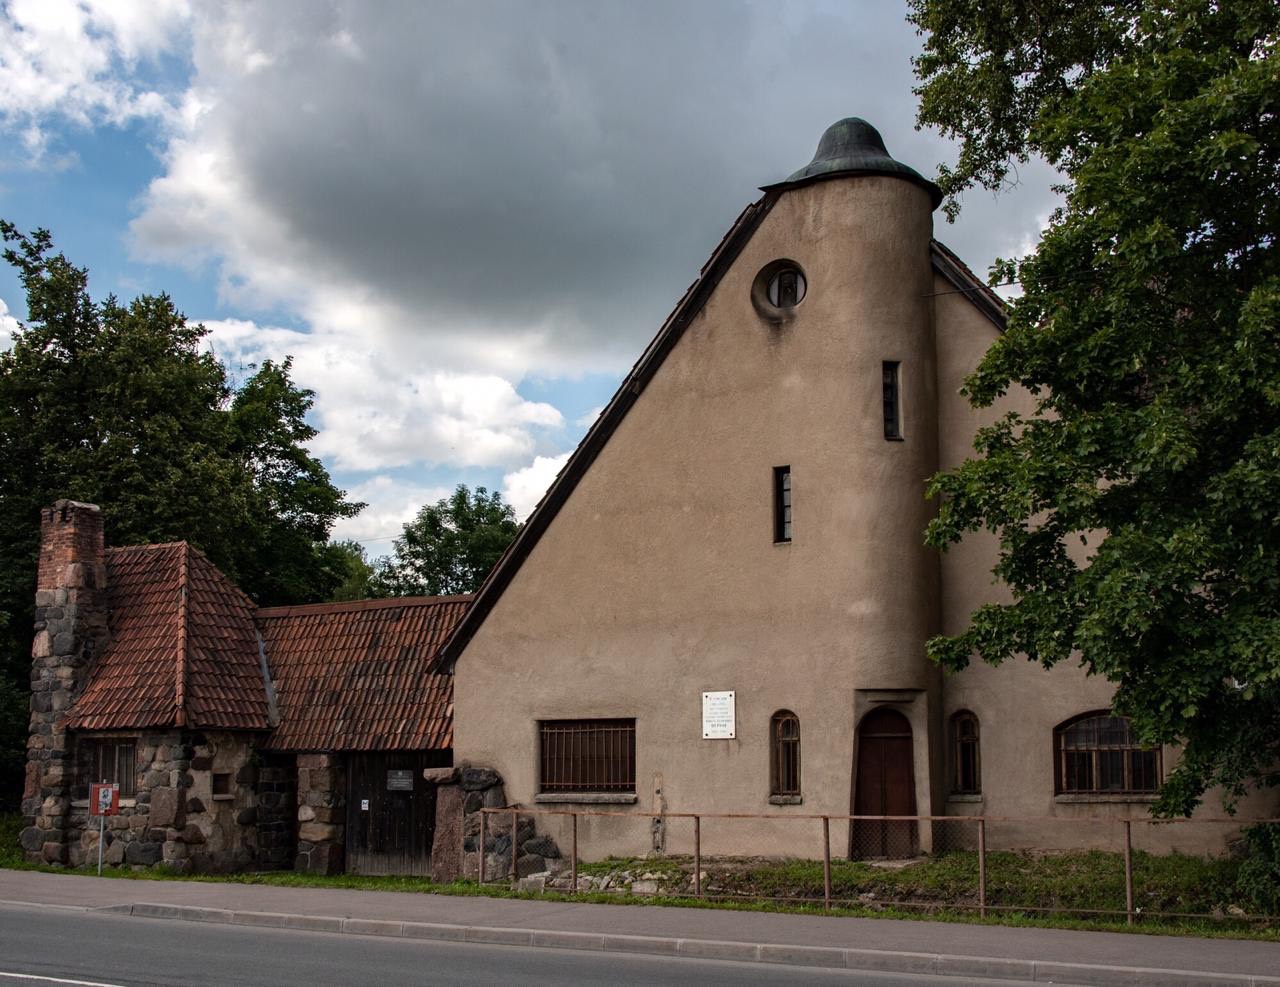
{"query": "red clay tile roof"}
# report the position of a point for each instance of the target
(183, 649)
(362, 676)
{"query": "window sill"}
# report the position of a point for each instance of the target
(223, 798)
(786, 799)
(587, 798)
(1087, 798)
(974, 799)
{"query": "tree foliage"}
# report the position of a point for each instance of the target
(117, 404)
(1147, 333)
(450, 546)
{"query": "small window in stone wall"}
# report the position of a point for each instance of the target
(222, 785)
(112, 761)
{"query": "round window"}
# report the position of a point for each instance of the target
(786, 288)
(779, 287)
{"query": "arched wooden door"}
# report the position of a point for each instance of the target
(885, 786)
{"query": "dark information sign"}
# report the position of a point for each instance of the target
(399, 780)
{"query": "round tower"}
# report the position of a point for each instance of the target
(864, 224)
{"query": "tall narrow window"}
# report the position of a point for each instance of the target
(782, 503)
(784, 772)
(892, 403)
(966, 771)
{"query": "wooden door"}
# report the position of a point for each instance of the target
(885, 786)
(390, 813)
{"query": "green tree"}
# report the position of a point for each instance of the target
(349, 558)
(1147, 333)
(450, 546)
(117, 405)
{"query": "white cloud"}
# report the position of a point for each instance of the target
(8, 326)
(523, 488)
(391, 502)
(375, 410)
(589, 419)
(79, 60)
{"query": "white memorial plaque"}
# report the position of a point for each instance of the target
(719, 716)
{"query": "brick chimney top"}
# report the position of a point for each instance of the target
(72, 548)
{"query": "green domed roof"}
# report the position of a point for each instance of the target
(854, 147)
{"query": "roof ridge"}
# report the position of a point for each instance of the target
(180, 673)
(341, 606)
(148, 545)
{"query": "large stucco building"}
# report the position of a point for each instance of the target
(746, 516)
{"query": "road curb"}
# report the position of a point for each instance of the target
(879, 961)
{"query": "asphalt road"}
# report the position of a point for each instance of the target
(48, 946)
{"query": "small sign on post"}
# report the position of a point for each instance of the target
(104, 800)
(719, 716)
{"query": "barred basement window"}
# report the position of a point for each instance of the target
(892, 401)
(587, 755)
(782, 503)
(966, 770)
(784, 730)
(116, 762)
(1097, 754)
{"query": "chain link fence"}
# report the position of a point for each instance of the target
(1127, 870)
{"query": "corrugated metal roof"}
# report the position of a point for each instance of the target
(182, 647)
(362, 676)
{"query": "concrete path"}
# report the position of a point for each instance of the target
(996, 952)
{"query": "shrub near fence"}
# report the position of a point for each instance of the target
(1138, 869)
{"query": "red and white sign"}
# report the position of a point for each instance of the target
(104, 800)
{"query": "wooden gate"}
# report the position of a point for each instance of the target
(391, 812)
(885, 786)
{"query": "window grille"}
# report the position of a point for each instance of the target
(1097, 754)
(116, 762)
(782, 503)
(892, 404)
(587, 755)
(966, 776)
(785, 773)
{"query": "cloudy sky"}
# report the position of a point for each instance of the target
(463, 220)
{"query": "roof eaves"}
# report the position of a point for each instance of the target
(958, 274)
(695, 297)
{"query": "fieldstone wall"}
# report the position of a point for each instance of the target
(537, 856)
(175, 819)
(322, 807)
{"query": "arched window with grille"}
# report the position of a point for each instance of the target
(784, 773)
(966, 754)
(1097, 754)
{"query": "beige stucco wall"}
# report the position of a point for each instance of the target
(659, 578)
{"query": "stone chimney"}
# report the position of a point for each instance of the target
(70, 629)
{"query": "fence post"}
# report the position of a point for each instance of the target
(826, 863)
(1128, 870)
(982, 867)
(697, 856)
(484, 840)
(574, 869)
(515, 847)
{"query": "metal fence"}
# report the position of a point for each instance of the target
(1136, 869)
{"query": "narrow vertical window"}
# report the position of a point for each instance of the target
(892, 404)
(782, 503)
(785, 759)
(966, 776)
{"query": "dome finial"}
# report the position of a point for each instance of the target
(853, 147)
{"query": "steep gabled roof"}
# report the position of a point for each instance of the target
(695, 298)
(363, 675)
(182, 649)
